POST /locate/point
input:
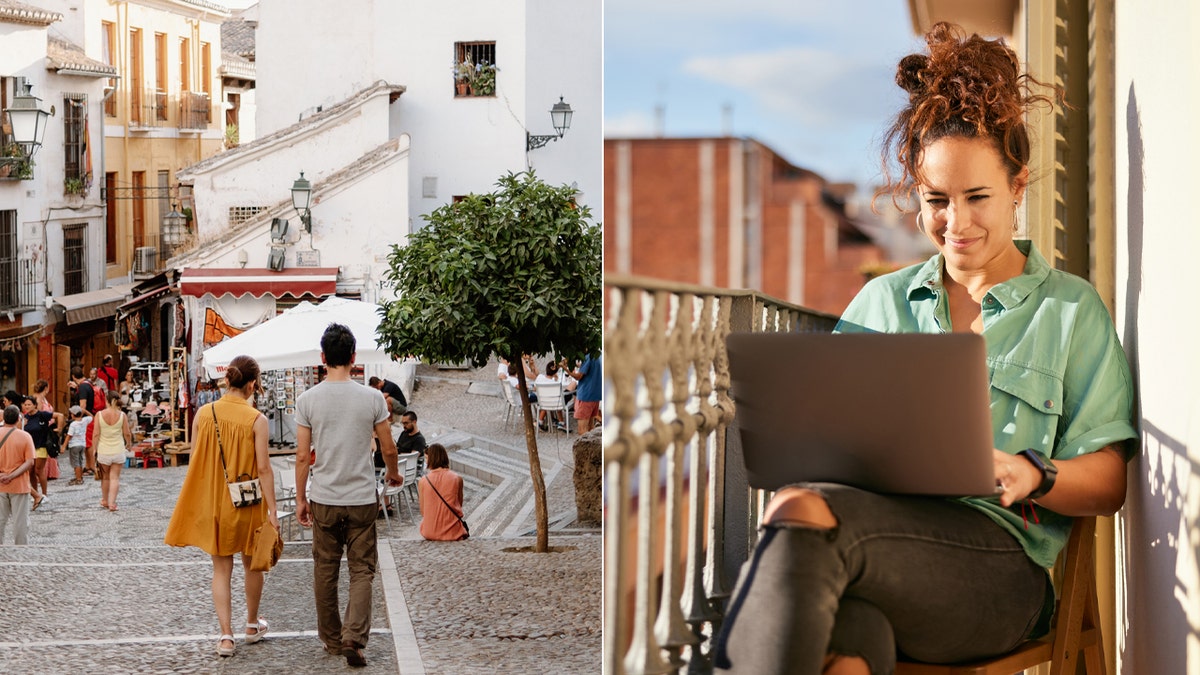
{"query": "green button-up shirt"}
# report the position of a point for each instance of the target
(1060, 383)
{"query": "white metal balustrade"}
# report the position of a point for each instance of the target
(679, 517)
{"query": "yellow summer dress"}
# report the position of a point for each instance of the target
(205, 516)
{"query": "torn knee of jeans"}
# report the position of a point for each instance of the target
(832, 659)
(808, 509)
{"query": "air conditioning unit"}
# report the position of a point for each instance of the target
(145, 260)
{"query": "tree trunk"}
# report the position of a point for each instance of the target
(535, 462)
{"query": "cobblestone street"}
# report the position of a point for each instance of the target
(98, 592)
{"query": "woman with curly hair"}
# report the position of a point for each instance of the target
(842, 578)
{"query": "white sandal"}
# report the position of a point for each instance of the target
(225, 651)
(260, 631)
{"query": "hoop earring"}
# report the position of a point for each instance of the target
(920, 222)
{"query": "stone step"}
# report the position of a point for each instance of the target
(487, 465)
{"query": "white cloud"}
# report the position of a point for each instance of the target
(816, 87)
(630, 124)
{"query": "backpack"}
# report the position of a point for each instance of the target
(98, 402)
(52, 442)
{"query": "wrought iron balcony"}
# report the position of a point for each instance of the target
(19, 280)
(679, 516)
(195, 110)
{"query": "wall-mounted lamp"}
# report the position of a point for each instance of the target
(173, 229)
(28, 119)
(560, 118)
(301, 194)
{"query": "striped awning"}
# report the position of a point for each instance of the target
(92, 305)
(257, 282)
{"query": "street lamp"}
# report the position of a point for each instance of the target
(28, 119)
(560, 119)
(174, 228)
(301, 194)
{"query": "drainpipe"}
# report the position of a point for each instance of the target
(104, 176)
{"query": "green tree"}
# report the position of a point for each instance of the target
(513, 272)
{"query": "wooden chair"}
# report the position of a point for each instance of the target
(1076, 626)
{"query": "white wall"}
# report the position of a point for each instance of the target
(1157, 143)
(264, 176)
(544, 50)
(565, 58)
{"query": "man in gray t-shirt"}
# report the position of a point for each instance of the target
(336, 422)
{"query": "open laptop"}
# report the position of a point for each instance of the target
(893, 413)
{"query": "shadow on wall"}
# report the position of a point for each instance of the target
(1161, 536)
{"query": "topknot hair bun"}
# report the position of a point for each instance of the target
(910, 73)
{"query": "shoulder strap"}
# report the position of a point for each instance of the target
(435, 491)
(5, 439)
(220, 448)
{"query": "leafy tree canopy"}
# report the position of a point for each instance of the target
(512, 272)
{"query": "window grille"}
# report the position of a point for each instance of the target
(9, 279)
(74, 140)
(75, 258)
(475, 69)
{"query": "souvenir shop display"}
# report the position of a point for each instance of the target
(278, 400)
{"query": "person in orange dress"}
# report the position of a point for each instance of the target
(440, 520)
(229, 438)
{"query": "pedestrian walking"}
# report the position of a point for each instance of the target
(16, 457)
(40, 424)
(77, 442)
(340, 416)
(41, 391)
(587, 394)
(230, 445)
(113, 438)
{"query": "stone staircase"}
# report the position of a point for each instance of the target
(500, 474)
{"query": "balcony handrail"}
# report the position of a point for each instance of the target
(668, 406)
(195, 110)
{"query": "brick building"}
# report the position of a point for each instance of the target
(731, 213)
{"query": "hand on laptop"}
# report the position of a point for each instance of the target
(1016, 478)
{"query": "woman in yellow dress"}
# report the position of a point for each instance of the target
(205, 516)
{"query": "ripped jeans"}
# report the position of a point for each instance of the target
(933, 578)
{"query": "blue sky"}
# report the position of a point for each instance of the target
(812, 79)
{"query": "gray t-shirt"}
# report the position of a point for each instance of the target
(342, 417)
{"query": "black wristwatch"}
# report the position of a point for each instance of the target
(1049, 471)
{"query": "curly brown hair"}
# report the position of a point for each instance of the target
(964, 87)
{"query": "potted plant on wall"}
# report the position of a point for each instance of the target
(463, 71)
(483, 79)
(10, 160)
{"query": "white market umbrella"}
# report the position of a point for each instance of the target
(293, 339)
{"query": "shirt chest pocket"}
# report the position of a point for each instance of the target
(1027, 405)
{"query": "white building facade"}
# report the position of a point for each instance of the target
(362, 99)
(314, 54)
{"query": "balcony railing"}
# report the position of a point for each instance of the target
(153, 109)
(195, 110)
(679, 516)
(18, 284)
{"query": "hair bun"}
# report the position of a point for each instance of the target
(910, 73)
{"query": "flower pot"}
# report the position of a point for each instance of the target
(462, 89)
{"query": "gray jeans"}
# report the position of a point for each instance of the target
(14, 508)
(933, 578)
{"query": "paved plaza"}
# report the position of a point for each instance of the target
(98, 592)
